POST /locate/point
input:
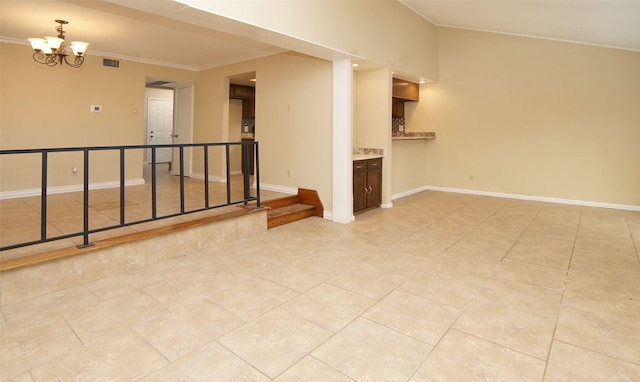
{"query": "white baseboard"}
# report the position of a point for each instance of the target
(212, 178)
(278, 188)
(408, 193)
(64, 189)
(546, 199)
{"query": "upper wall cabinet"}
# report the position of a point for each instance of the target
(405, 90)
(248, 96)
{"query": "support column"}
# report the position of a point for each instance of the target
(342, 141)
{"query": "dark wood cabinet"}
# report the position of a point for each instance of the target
(397, 108)
(248, 96)
(367, 184)
(408, 91)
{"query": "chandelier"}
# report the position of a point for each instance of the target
(52, 51)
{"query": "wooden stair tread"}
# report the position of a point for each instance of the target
(287, 214)
(290, 209)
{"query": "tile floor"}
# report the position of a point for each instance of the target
(20, 217)
(442, 287)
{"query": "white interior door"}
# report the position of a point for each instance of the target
(160, 122)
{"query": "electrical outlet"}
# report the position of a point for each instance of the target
(289, 173)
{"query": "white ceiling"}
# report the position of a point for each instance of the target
(610, 23)
(165, 36)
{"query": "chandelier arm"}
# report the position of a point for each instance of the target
(53, 60)
(77, 62)
(39, 57)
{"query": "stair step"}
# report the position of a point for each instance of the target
(287, 214)
(281, 202)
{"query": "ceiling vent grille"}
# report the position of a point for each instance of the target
(110, 63)
(158, 83)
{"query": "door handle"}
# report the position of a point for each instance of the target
(174, 135)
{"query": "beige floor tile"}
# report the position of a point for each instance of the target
(397, 263)
(104, 361)
(451, 289)
(274, 341)
(253, 297)
(596, 258)
(52, 305)
(368, 280)
(280, 253)
(515, 329)
(613, 278)
(599, 333)
(518, 295)
(310, 369)
(33, 345)
(458, 266)
(570, 363)
(540, 275)
(338, 257)
(542, 251)
(329, 306)
(300, 275)
(477, 250)
(210, 363)
(605, 243)
(178, 292)
(95, 322)
(126, 282)
(181, 331)
(381, 236)
(602, 302)
(543, 230)
(423, 244)
(414, 316)
(366, 351)
(462, 357)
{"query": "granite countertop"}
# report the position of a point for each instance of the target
(366, 156)
(413, 136)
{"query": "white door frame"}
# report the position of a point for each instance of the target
(183, 99)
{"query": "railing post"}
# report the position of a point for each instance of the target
(43, 198)
(246, 146)
(181, 149)
(85, 202)
(154, 195)
(122, 184)
(228, 173)
(257, 156)
(206, 176)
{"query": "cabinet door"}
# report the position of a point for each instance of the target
(359, 184)
(374, 184)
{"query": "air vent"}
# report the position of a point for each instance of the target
(158, 83)
(111, 63)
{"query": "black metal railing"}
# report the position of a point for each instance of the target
(247, 148)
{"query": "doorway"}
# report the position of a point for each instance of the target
(169, 120)
(160, 127)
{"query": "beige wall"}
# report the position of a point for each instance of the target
(293, 120)
(45, 107)
(534, 117)
(383, 31)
